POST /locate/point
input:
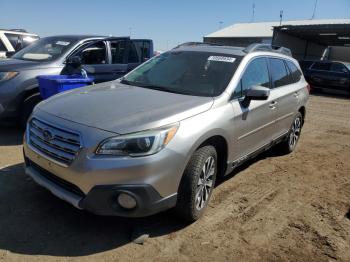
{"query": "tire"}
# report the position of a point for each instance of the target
(27, 107)
(288, 145)
(197, 184)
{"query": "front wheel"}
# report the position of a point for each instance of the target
(288, 145)
(197, 184)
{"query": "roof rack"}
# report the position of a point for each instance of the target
(267, 47)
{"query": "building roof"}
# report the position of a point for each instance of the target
(265, 29)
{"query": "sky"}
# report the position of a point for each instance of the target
(167, 22)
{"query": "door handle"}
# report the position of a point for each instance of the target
(273, 104)
(296, 94)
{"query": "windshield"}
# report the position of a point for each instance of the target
(45, 49)
(185, 72)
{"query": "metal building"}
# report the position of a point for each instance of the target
(308, 39)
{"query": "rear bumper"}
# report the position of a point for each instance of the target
(102, 199)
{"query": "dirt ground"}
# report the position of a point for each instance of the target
(274, 208)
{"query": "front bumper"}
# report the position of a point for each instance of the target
(102, 199)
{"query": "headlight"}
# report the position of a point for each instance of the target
(4, 76)
(138, 144)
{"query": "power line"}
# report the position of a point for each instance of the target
(313, 13)
(281, 17)
(253, 13)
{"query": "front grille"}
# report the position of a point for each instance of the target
(57, 180)
(56, 143)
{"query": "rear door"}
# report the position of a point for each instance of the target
(319, 74)
(284, 93)
(119, 57)
(339, 76)
(140, 51)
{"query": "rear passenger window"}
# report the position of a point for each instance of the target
(295, 74)
(256, 74)
(321, 66)
(339, 68)
(133, 56)
(279, 72)
(118, 49)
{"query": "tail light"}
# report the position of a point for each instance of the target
(308, 88)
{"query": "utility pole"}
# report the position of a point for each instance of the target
(281, 16)
(314, 12)
(253, 13)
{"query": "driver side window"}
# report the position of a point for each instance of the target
(256, 74)
(93, 54)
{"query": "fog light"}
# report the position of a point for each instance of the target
(126, 201)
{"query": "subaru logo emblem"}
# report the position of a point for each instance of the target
(48, 136)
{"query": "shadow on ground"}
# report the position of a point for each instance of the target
(10, 135)
(34, 222)
(331, 93)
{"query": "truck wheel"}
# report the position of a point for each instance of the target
(288, 145)
(197, 184)
(27, 107)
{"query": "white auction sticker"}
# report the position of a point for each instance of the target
(226, 59)
(64, 43)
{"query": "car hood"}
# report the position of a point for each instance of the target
(20, 65)
(122, 109)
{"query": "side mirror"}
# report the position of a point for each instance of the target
(74, 61)
(10, 53)
(258, 93)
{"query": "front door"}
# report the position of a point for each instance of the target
(253, 121)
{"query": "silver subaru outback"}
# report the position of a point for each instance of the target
(159, 137)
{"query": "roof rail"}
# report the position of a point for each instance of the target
(15, 30)
(18, 30)
(196, 43)
(267, 47)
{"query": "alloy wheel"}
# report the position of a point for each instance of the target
(205, 183)
(295, 132)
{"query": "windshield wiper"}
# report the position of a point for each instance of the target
(155, 87)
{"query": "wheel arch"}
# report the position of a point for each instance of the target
(221, 143)
(302, 111)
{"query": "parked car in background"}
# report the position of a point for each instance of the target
(104, 58)
(305, 65)
(333, 75)
(160, 136)
(13, 40)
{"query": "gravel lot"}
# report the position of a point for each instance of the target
(274, 208)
